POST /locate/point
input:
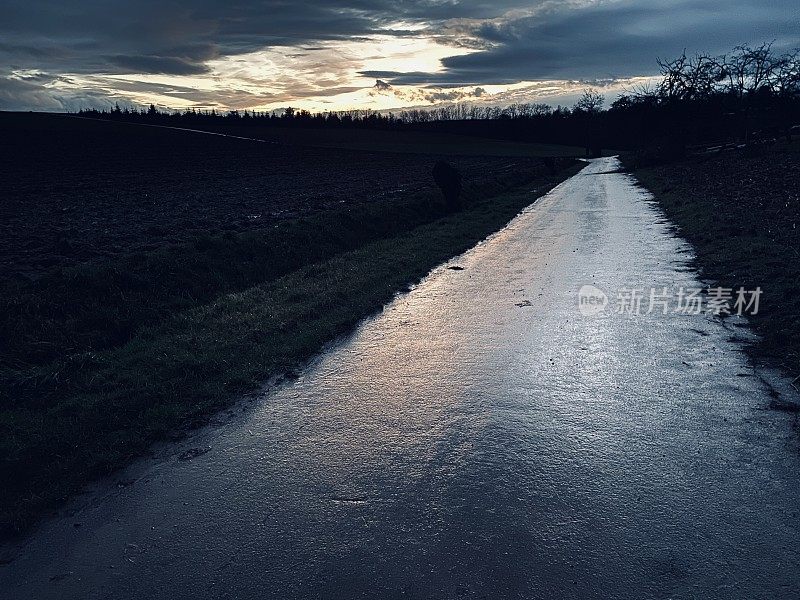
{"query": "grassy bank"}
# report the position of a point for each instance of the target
(741, 213)
(102, 360)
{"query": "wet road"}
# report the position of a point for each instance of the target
(479, 438)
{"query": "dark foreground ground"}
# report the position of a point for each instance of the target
(741, 212)
(150, 276)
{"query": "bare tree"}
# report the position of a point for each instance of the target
(786, 74)
(692, 78)
(541, 110)
(750, 69)
(590, 102)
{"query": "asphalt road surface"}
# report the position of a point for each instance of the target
(481, 438)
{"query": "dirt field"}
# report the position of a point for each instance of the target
(77, 190)
(406, 142)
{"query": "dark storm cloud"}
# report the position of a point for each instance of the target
(171, 65)
(91, 36)
(402, 78)
(514, 39)
(612, 40)
(622, 39)
(155, 37)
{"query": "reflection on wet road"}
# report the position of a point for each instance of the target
(479, 438)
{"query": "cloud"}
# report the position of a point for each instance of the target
(609, 39)
(39, 91)
(443, 95)
(20, 94)
(502, 42)
(170, 65)
(614, 39)
(430, 95)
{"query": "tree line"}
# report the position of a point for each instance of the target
(353, 117)
(745, 96)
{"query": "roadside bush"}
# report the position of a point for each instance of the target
(448, 178)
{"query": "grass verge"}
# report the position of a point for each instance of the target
(741, 213)
(101, 305)
(79, 414)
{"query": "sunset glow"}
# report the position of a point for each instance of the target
(322, 57)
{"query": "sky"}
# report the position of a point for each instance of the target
(322, 55)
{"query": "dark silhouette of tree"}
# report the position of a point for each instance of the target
(588, 107)
(745, 97)
(590, 102)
